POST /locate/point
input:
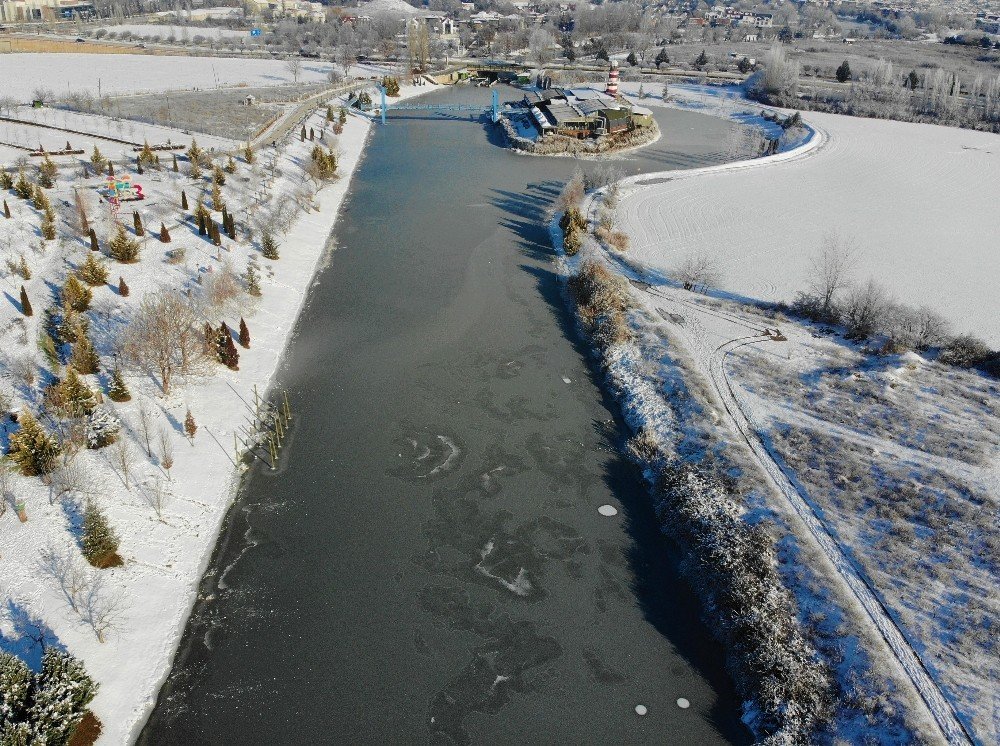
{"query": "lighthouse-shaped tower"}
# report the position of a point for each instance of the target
(612, 89)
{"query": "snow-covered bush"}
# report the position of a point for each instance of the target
(43, 708)
(102, 428)
(733, 566)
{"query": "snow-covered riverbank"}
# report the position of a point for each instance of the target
(164, 555)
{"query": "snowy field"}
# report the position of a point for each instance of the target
(920, 201)
(52, 134)
(126, 73)
(165, 549)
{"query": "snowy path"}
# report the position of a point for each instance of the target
(744, 420)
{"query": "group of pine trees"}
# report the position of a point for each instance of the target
(45, 707)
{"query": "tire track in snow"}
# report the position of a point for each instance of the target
(944, 713)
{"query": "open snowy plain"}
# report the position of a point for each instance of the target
(919, 201)
(128, 73)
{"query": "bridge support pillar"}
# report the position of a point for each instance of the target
(496, 106)
(382, 108)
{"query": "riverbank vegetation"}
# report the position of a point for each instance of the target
(730, 560)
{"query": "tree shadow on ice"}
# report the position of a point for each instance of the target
(666, 600)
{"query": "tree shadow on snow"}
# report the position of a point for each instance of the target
(29, 637)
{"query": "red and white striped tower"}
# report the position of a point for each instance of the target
(612, 89)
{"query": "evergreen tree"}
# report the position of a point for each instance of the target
(210, 341)
(117, 389)
(218, 175)
(164, 234)
(202, 229)
(94, 246)
(76, 295)
(194, 153)
(176, 168)
(248, 155)
(230, 167)
(22, 187)
(138, 167)
(137, 223)
(48, 226)
(312, 134)
(111, 168)
(302, 134)
(6, 209)
(99, 540)
(268, 246)
(844, 72)
(213, 232)
(662, 58)
(244, 334)
(184, 200)
(31, 448)
(631, 59)
(71, 395)
(26, 303)
(343, 115)
(93, 271)
(228, 354)
(41, 201)
(6, 180)
(602, 54)
(218, 203)
(701, 60)
(61, 693)
(195, 171)
(329, 113)
(123, 290)
(16, 683)
(97, 160)
(47, 172)
(123, 247)
(190, 426)
(84, 357)
(252, 279)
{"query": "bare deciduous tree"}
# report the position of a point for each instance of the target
(831, 270)
(100, 606)
(123, 459)
(166, 450)
(146, 426)
(865, 308)
(698, 271)
(294, 66)
(65, 567)
(164, 337)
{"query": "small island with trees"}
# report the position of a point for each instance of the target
(578, 121)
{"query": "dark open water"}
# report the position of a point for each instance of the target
(430, 566)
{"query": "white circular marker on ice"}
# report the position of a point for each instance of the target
(608, 510)
(683, 703)
(566, 380)
(641, 710)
